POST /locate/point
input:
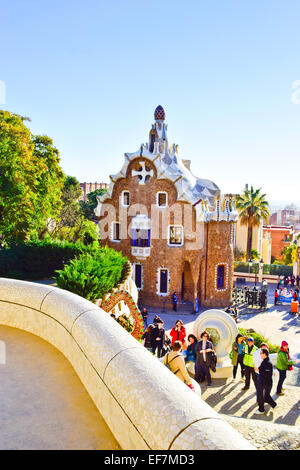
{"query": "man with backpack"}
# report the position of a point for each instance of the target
(175, 362)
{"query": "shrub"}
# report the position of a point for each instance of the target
(125, 322)
(39, 259)
(258, 339)
(92, 275)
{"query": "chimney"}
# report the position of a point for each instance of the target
(187, 164)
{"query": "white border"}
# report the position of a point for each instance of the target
(226, 277)
(142, 275)
(175, 245)
(167, 199)
(122, 198)
(112, 232)
(158, 282)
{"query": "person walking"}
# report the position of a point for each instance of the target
(237, 356)
(292, 280)
(276, 297)
(204, 348)
(283, 364)
(265, 381)
(144, 313)
(175, 362)
(257, 360)
(178, 332)
(158, 338)
(156, 320)
(249, 364)
(146, 338)
(235, 314)
(175, 300)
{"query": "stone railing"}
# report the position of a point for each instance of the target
(142, 402)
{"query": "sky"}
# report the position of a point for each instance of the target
(227, 72)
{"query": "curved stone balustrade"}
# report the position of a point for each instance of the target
(143, 403)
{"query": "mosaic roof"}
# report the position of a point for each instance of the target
(169, 165)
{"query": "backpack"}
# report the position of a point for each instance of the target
(168, 363)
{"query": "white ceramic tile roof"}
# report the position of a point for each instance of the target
(170, 166)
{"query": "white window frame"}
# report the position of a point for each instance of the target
(225, 287)
(142, 275)
(163, 294)
(112, 232)
(122, 198)
(157, 199)
(175, 245)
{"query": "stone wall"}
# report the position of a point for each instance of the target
(143, 403)
(218, 252)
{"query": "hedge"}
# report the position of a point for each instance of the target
(272, 269)
(258, 339)
(36, 260)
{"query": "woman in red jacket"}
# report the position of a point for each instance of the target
(178, 332)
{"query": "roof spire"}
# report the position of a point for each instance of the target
(159, 113)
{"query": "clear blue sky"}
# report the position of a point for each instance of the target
(90, 74)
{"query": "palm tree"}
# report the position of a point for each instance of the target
(253, 208)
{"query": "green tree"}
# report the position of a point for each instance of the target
(290, 254)
(70, 212)
(30, 180)
(71, 224)
(83, 230)
(90, 205)
(253, 209)
(50, 183)
(255, 255)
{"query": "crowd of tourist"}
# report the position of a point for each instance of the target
(178, 351)
(286, 281)
(255, 363)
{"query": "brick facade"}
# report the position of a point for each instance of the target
(190, 268)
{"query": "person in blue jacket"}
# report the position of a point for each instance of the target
(175, 300)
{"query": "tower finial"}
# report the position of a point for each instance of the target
(159, 113)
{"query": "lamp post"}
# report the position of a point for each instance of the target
(257, 268)
(261, 266)
(250, 264)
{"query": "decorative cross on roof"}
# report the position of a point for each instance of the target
(143, 174)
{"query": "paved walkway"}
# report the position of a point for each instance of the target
(44, 406)
(278, 428)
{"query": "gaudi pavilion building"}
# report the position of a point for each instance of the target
(175, 228)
